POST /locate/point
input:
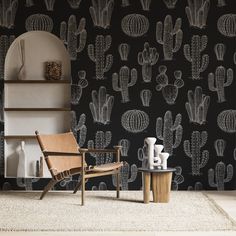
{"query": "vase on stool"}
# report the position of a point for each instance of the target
(164, 156)
(150, 141)
(157, 150)
(21, 168)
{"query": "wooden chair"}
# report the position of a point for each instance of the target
(65, 158)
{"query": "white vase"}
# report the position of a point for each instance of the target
(164, 156)
(150, 141)
(158, 149)
(21, 169)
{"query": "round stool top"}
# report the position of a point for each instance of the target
(156, 170)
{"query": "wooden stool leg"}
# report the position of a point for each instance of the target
(161, 185)
(118, 185)
(146, 187)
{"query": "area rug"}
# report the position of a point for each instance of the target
(61, 211)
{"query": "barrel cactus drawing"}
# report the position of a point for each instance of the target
(39, 22)
(135, 25)
(226, 120)
(135, 121)
(226, 25)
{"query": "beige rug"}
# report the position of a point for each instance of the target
(61, 211)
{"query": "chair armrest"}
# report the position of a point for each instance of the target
(48, 153)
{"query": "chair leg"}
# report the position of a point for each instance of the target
(82, 191)
(118, 185)
(51, 183)
(77, 186)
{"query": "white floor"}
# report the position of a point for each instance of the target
(226, 200)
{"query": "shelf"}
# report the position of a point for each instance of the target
(28, 177)
(37, 81)
(19, 136)
(37, 109)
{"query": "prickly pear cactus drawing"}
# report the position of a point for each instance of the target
(127, 175)
(220, 145)
(102, 141)
(145, 4)
(74, 4)
(101, 12)
(124, 49)
(165, 129)
(197, 12)
(146, 95)
(101, 187)
(77, 88)
(169, 91)
(169, 36)
(178, 178)
(125, 144)
(226, 121)
(197, 106)
(192, 149)
(97, 54)
(39, 22)
(147, 58)
(170, 4)
(72, 36)
(193, 54)
(49, 4)
(101, 106)
(79, 128)
(220, 49)
(8, 11)
(221, 175)
(218, 81)
(122, 81)
(197, 187)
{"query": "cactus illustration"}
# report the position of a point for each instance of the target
(125, 172)
(124, 49)
(221, 3)
(220, 49)
(165, 129)
(197, 187)
(101, 106)
(193, 55)
(199, 158)
(76, 89)
(5, 42)
(165, 33)
(220, 145)
(219, 81)
(178, 178)
(145, 4)
(142, 156)
(101, 12)
(29, 3)
(101, 187)
(97, 55)
(26, 183)
(125, 3)
(218, 177)
(170, 4)
(79, 128)
(147, 58)
(102, 140)
(122, 82)
(69, 34)
(125, 144)
(1, 153)
(74, 4)
(169, 91)
(49, 4)
(146, 96)
(8, 9)
(197, 12)
(197, 106)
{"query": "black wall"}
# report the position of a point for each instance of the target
(212, 130)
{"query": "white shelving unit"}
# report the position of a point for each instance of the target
(34, 103)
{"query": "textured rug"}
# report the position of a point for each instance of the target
(61, 211)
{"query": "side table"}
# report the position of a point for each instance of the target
(161, 184)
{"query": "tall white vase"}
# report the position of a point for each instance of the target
(22, 169)
(150, 141)
(164, 156)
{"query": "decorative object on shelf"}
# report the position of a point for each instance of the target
(22, 167)
(226, 120)
(37, 167)
(227, 25)
(41, 167)
(150, 142)
(164, 156)
(39, 22)
(22, 73)
(53, 70)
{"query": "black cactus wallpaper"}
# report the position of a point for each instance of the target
(142, 68)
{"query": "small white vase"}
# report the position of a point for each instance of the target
(150, 141)
(164, 156)
(21, 169)
(158, 148)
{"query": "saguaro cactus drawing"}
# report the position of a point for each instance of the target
(220, 145)
(165, 33)
(101, 12)
(220, 49)
(79, 128)
(5, 42)
(219, 81)
(102, 140)
(218, 177)
(146, 95)
(197, 106)
(127, 175)
(101, 106)
(165, 129)
(147, 58)
(8, 9)
(193, 55)
(170, 4)
(178, 178)
(197, 12)
(122, 81)
(125, 143)
(169, 91)
(97, 55)
(199, 158)
(69, 34)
